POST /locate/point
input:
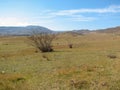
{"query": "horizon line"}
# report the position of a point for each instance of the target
(60, 29)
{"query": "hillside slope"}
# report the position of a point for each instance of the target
(22, 30)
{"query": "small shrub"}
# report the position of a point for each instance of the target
(70, 45)
(80, 84)
(19, 79)
(112, 56)
(45, 57)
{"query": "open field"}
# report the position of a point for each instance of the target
(92, 64)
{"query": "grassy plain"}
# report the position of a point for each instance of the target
(92, 64)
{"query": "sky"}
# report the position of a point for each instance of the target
(61, 14)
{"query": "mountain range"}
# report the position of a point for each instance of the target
(115, 30)
(22, 30)
(28, 29)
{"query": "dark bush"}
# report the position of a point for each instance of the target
(42, 41)
(112, 56)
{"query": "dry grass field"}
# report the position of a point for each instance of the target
(92, 64)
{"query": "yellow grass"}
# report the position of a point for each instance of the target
(87, 66)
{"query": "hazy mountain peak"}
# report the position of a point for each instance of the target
(22, 30)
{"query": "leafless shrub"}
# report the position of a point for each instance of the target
(45, 57)
(112, 56)
(42, 41)
(70, 45)
(80, 84)
(69, 42)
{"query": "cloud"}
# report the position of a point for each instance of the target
(110, 9)
(51, 18)
(12, 21)
(82, 18)
(76, 14)
(55, 16)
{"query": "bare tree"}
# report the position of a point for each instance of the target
(42, 41)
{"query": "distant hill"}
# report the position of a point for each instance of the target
(82, 31)
(109, 30)
(22, 30)
(28, 29)
(115, 30)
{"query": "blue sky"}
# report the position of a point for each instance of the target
(61, 14)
